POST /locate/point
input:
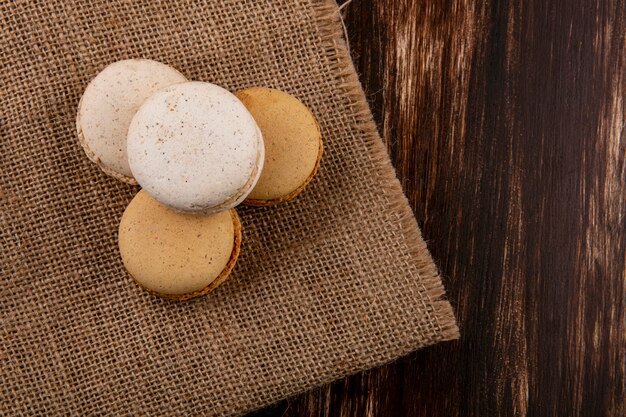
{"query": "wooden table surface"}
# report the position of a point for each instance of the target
(505, 121)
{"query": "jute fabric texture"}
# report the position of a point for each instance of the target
(336, 281)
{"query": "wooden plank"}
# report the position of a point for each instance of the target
(505, 121)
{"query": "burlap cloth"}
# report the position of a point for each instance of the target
(337, 281)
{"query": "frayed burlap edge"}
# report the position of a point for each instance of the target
(331, 29)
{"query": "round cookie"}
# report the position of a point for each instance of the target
(108, 105)
(177, 255)
(195, 148)
(293, 144)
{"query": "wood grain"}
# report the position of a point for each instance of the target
(505, 121)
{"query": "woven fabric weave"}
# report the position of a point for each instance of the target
(336, 281)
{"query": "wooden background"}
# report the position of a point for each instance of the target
(505, 121)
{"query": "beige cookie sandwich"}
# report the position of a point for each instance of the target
(195, 148)
(293, 144)
(177, 255)
(108, 105)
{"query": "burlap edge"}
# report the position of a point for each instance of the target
(332, 32)
(328, 19)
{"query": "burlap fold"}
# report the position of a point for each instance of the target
(337, 281)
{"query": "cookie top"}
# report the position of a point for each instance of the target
(108, 105)
(194, 147)
(177, 255)
(293, 144)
